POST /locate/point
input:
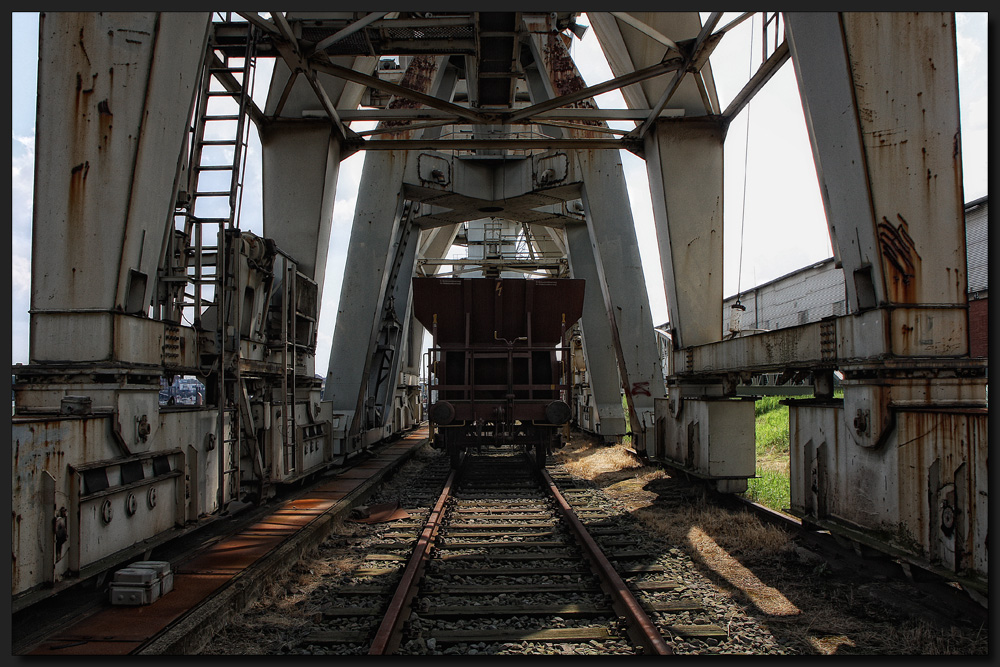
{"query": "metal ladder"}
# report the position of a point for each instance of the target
(215, 181)
(289, 369)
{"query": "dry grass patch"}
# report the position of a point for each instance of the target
(585, 459)
(739, 533)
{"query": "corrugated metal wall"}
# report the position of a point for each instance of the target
(810, 294)
(976, 233)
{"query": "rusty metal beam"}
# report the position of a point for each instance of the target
(322, 45)
(292, 53)
(764, 73)
(480, 144)
(328, 106)
(735, 22)
(591, 91)
(260, 22)
(328, 67)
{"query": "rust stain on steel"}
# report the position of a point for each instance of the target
(419, 76)
(122, 630)
(902, 259)
(937, 462)
(566, 78)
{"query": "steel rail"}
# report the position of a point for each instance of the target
(388, 634)
(641, 629)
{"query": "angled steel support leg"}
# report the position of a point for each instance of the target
(369, 263)
(598, 340)
(612, 235)
(684, 165)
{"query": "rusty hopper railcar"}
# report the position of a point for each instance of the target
(497, 369)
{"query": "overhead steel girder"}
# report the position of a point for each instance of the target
(301, 162)
(118, 92)
(627, 49)
(533, 190)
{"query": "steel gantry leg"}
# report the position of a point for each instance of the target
(105, 197)
(597, 338)
(613, 239)
(906, 449)
(379, 266)
(619, 267)
(713, 436)
(377, 221)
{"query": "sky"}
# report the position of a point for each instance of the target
(772, 226)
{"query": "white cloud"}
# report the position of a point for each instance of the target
(20, 277)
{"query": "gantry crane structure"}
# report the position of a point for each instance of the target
(141, 270)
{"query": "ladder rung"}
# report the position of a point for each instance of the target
(218, 142)
(215, 167)
(221, 93)
(221, 193)
(224, 117)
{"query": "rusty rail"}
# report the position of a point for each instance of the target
(641, 629)
(388, 634)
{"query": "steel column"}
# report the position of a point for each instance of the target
(371, 267)
(369, 260)
(119, 88)
(612, 235)
(598, 341)
(684, 165)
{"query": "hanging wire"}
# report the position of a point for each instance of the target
(737, 309)
(746, 153)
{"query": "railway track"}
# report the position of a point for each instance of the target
(502, 572)
(507, 559)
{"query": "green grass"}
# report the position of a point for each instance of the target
(771, 486)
